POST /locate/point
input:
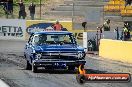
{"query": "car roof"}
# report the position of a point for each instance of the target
(53, 32)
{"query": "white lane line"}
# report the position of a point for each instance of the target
(3, 84)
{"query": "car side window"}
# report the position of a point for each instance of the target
(73, 39)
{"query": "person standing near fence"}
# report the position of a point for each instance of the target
(32, 10)
(128, 2)
(5, 8)
(126, 32)
(106, 25)
(8, 8)
(22, 12)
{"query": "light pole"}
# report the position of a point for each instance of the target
(40, 9)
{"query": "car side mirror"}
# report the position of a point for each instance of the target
(29, 43)
(26, 46)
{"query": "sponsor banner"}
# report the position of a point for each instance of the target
(41, 25)
(104, 78)
(83, 77)
(12, 29)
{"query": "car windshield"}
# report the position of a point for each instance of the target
(54, 39)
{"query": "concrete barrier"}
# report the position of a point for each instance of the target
(116, 50)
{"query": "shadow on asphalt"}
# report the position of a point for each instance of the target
(92, 71)
(88, 71)
(57, 71)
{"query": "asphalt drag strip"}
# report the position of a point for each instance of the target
(12, 70)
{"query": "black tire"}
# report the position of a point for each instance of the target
(71, 68)
(34, 68)
(28, 66)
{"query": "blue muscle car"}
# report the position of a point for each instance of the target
(53, 49)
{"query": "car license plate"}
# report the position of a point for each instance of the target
(60, 64)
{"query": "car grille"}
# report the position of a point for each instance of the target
(66, 56)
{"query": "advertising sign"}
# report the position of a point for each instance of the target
(39, 25)
(12, 29)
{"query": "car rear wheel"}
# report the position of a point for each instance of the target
(71, 68)
(28, 66)
(34, 68)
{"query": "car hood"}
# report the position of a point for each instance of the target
(55, 48)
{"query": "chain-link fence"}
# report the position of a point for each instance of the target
(41, 7)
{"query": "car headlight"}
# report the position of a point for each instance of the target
(38, 56)
(80, 55)
(85, 50)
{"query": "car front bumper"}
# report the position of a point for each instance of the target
(59, 63)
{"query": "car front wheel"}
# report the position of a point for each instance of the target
(34, 68)
(28, 66)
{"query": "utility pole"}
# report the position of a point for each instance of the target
(40, 9)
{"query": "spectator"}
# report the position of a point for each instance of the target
(122, 35)
(126, 32)
(32, 10)
(128, 2)
(5, 8)
(57, 26)
(106, 25)
(84, 25)
(8, 8)
(22, 12)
